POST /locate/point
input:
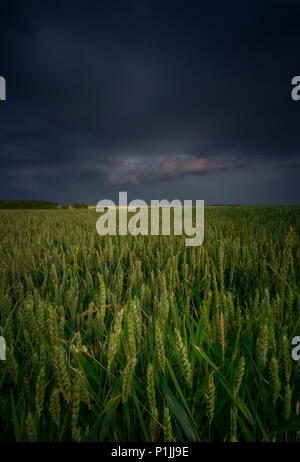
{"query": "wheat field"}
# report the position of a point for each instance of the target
(123, 338)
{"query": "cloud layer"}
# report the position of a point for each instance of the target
(102, 94)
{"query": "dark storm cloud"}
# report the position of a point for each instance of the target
(94, 86)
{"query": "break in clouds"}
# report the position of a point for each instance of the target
(171, 168)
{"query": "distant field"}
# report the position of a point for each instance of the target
(144, 339)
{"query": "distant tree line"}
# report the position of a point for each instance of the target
(79, 205)
(27, 204)
(36, 204)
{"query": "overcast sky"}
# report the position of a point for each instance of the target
(163, 99)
